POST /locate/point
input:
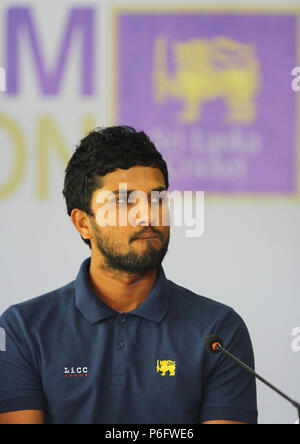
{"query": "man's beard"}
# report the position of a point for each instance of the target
(132, 262)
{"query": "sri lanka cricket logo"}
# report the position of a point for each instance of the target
(207, 70)
(166, 366)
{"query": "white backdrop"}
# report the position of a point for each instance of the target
(248, 257)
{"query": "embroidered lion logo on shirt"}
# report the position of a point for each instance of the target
(166, 366)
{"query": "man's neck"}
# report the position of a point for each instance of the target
(122, 291)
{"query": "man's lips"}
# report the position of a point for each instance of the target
(147, 235)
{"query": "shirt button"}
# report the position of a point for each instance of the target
(120, 345)
(122, 319)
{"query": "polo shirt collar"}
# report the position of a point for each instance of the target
(154, 307)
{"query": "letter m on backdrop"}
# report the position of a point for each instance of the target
(20, 26)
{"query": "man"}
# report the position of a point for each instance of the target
(122, 344)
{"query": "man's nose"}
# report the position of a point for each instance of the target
(147, 216)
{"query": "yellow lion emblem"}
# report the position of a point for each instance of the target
(166, 366)
(207, 70)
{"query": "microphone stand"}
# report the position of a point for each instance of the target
(219, 348)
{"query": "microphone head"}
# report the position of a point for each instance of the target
(211, 341)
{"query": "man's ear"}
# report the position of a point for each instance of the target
(80, 220)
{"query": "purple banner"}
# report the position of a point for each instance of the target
(214, 93)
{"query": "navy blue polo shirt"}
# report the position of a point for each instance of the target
(74, 357)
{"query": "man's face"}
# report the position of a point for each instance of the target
(122, 245)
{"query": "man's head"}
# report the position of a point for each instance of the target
(102, 161)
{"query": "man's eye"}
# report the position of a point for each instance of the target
(161, 198)
(121, 200)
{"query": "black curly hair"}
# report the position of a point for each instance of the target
(101, 152)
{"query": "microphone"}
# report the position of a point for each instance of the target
(214, 344)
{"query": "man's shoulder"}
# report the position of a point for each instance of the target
(193, 304)
(41, 305)
(203, 315)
